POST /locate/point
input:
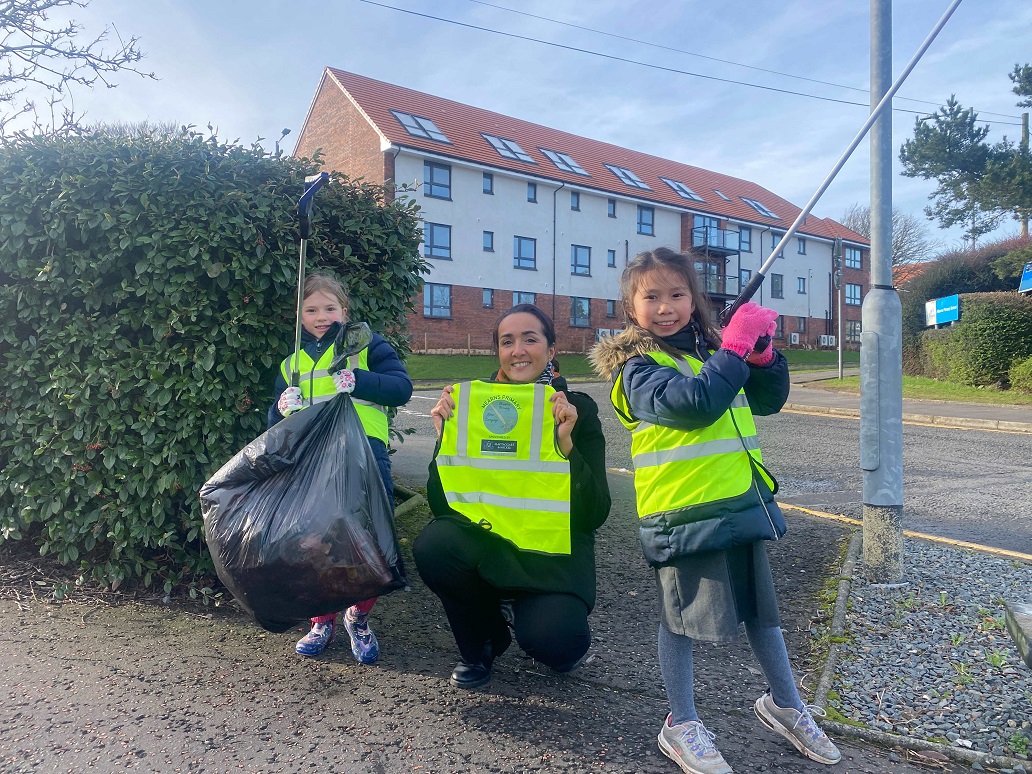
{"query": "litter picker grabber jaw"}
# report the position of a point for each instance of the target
(304, 214)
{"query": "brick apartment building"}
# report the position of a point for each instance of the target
(560, 215)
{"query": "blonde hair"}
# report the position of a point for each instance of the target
(326, 283)
(679, 264)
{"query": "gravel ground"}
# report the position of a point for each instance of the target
(933, 659)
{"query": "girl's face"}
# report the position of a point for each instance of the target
(523, 350)
(663, 304)
(319, 311)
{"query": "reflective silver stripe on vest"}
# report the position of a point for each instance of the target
(520, 503)
(322, 398)
(520, 466)
(695, 451)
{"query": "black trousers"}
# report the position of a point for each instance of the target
(550, 627)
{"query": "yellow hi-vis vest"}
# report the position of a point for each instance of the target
(317, 387)
(500, 466)
(675, 470)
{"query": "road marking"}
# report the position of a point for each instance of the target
(845, 414)
(912, 534)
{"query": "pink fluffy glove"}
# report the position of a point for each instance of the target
(749, 323)
(765, 355)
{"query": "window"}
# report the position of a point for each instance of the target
(744, 276)
(420, 127)
(801, 324)
(760, 208)
(522, 298)
(801, 245)
(853, 330)
(564, 162)
(682, 190)
(611, 258)
(524, 253)
(436, 300)
(707, 232)
(800, 286)
(532, 192)
(775, 240)
(646, 220)
(580, 312)
(488, 183)
(508, 148)
(575, 200)
(852, 295)
(779, 327)
(488, 301)
(611, 207)
(489, 241)
(436, 180)
(721, 195)
(627, 177)
(580, 260)
(745, 239)
(777, 286)
(437, 241)
(610, 308)
(853, 258)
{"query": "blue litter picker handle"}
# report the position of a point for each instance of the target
(305, 204)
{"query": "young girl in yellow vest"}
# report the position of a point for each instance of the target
(378, 379)
(706, 504)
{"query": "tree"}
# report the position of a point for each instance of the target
(910, 243)
(1021, 77)
(35, 51)
(950, 148)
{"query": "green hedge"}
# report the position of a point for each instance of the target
(994, 331)
(147, 296)
(1020, 375)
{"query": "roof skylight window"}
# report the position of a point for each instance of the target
(564, 162)
(760, 208)
(682, 190)
(627, 177)
(510, 149)
(721, 194)
(418, 126)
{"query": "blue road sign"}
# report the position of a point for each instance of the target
(1026, 279)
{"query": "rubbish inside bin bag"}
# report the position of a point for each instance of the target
(298, 523)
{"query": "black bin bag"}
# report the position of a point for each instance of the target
(298, 523)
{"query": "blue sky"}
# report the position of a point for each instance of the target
(251, 69)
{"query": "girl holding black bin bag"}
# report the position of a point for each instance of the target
(375, 378)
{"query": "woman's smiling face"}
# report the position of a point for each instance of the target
(523, 349)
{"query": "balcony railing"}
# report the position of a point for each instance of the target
(721, 284)
(715, 239)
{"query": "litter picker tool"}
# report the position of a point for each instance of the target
(757, 279)
(304, 214)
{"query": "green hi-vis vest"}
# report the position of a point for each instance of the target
(317, 386)
(500, 466)
(675, 470)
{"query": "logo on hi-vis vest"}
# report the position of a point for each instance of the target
(501, 416)
(491, 448)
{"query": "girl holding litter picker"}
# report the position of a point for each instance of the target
(688, 394)
(376, 378)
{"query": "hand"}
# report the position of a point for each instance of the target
(565, 414)
(443, 409)
(749, 323)
(290, 401)
(764, 356)
(344, 380)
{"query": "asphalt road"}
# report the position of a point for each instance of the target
(962, 484)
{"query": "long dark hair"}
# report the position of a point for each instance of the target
(680, 265)
(547, 326)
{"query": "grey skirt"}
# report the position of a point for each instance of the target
(706, 595)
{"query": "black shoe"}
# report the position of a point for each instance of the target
(470, 675)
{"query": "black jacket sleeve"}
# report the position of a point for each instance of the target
(386, 382)
(768, 386)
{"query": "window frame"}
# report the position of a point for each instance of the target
(429, 304)
(642, 209)
(523, 297)
(578, 252)
(532, 192)
(507, 149)
(580, 322)
(575, 201)
(777, 285)
(610, 308)
(564, 162)
(744, 244)
(420, 128)
(430, 245)
(801, 324)
(858, 262)
(853, 298)
(627, 177)
(611, 207)
(517, 257)
(429, 184)
(801, 245)
(487, 298)
(611, 259)
(489, 183)
(800, 286)
(853, 330)
(489, 242)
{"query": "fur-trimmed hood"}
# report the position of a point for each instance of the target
(613, 351)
